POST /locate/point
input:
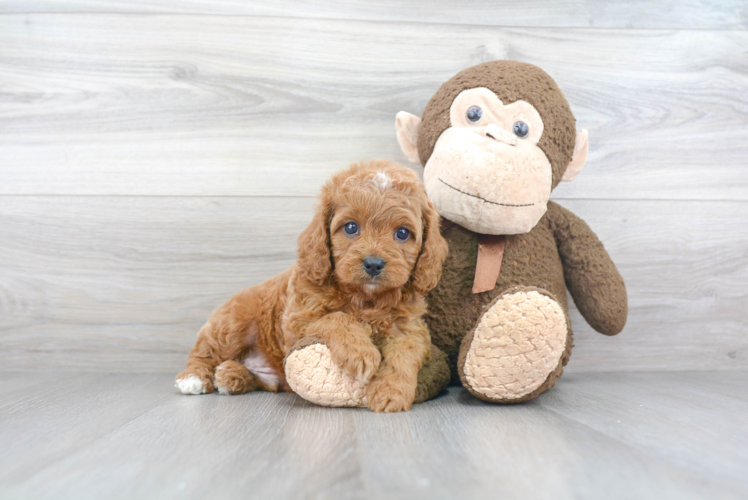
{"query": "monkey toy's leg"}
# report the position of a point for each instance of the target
(518, 347)
(312, 374)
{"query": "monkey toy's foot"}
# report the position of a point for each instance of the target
(312, 374)
(518, 348)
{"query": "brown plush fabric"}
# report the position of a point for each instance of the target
(433, 377)
(592, 278)
(511, 81)
(453, 309)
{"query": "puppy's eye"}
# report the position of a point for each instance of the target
(402, 234)
(474, 114)
(521, 129)
(350, 228)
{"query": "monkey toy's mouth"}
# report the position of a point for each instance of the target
(483, 199)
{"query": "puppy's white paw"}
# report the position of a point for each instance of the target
(190, 385)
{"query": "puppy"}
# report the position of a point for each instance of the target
(365, 263)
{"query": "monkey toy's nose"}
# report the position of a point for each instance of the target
(494, 132)
(373, 266)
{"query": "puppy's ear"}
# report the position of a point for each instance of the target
(315, 258)
(434, 249)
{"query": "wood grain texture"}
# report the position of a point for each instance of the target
(699, 14)
(626, 411)
(156, 157)
(124, 283)
(219, 105)
(612, 435)
(59, 402)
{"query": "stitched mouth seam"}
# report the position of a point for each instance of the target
(483, 199)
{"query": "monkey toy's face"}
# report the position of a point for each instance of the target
(484, 168)
(503, 177)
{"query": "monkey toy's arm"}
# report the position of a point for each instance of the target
(591, 277)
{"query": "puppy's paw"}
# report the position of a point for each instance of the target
(361, 361)
(190, 383)
(233, 377)
(384, 395)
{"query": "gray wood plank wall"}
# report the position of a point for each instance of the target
(156, 157)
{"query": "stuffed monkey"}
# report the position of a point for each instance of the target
(494, 141)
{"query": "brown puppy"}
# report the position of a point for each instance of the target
(371, 253)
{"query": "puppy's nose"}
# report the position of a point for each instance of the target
(373, 266)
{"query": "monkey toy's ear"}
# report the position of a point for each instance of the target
(579, 157)
(407, 135)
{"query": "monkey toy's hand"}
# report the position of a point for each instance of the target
(591, 277)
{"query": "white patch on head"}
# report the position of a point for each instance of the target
(381, 180)
(190, 385)
(258, 365)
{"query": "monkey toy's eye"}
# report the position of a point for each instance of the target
(350, 228)
(521, 129)
(474, 114)
(402, 234)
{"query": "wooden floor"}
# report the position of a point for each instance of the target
(606, 435)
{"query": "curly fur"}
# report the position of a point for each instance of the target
(372, 326)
